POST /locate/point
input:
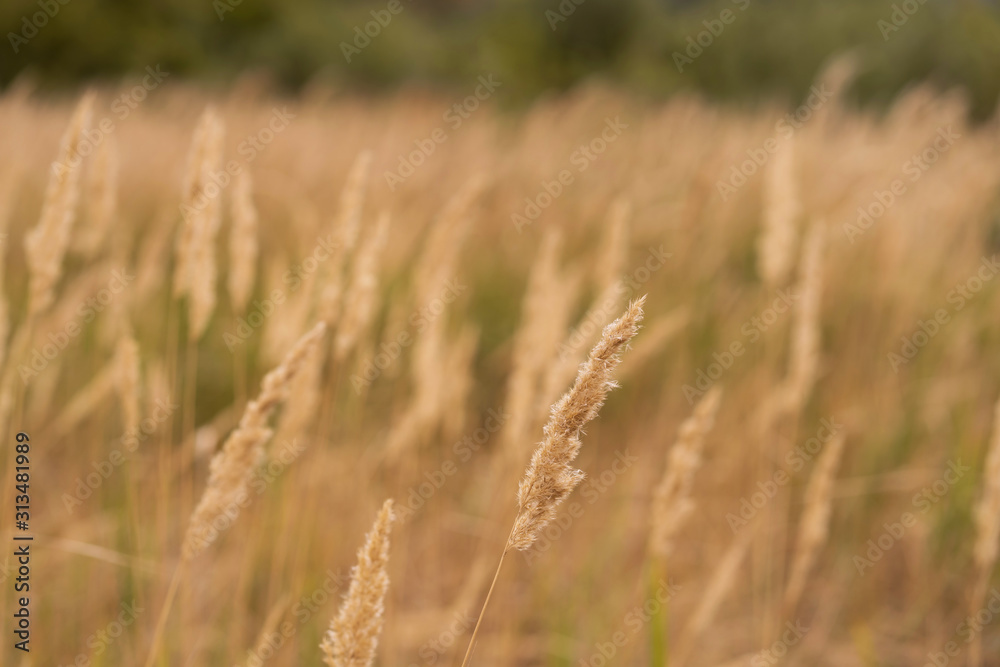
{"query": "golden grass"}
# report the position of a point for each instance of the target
(550, 476)
(353, 635)
(46, 244)
(672, 503)
(243, 245)
(451, 332)
(232, 468)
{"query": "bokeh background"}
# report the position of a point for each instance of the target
(774, 50)
(879, 206)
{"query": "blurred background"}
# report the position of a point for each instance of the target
(776, 49)
(620, 133)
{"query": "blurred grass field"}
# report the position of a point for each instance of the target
(432, 428)
(465, 193)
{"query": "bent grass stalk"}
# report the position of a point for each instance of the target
(232, 468)
(550, 477)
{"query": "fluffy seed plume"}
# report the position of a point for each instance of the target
(301, 408)
(232, 468)
(776, 245)
(793, 392)
(195, 273)
(45, 245)
(550, 476)
(242, 243)
(352, 200)
(815, 523)
(353, 635)
(191, 191)
(347, 224)
(805, 338)
(203, 214)
(101, 200)
(360, 304)
(672, 503)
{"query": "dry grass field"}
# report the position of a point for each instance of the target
(800, 465)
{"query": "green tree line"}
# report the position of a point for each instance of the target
(724, 49)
